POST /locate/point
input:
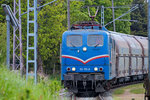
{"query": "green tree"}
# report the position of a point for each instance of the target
(2, 14)
(77, 12)
(3, 32)
(50, 29)
(121, 26)
(140, 14)
(2, 43)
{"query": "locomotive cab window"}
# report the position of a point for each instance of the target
(95, 40)
(74, 40)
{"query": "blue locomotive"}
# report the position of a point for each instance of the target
(93, 58)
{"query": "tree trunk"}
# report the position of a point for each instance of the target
(40, 65)
(54, 69)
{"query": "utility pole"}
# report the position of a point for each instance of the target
(149, 37)
(102, 16)
(68, 13)
(148, 91)
(113, 12)
(10, 18)
(8, 41)
(147, 80)
(31, 36)
(20, 37)
(17, 39)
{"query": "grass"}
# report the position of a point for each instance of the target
(13, 87)
(118, 91)
(135, 89)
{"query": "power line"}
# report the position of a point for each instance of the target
(40, 7)
(132, 9)
(129, 20)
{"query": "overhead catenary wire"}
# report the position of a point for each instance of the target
(129, 20)
(132, 9)
(39, 7)
(125, 6)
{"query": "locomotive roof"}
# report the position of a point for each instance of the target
(88, 31)
(122, 34)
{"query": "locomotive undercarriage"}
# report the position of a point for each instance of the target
(93, 84)
(85, 84)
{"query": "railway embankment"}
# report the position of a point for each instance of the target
(131, 92)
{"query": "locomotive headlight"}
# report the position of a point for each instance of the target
(95, 69)
(73, 69)
(84, 49)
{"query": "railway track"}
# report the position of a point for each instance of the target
(103, 96)
(99, 97)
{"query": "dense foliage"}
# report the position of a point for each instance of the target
(121, 26)
(3, 42)
(2, 15)
(52, 22)
(141, 16)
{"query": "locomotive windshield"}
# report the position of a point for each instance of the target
(95, 40)
(74, 40)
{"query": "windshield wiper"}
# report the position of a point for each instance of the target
(97, 45)
(73, 44)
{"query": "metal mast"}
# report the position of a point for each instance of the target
(113, 12)
(148, 89)
(17, 38)
(102, 16)
(149, 38)
(31, 65)
(8, 41)
(68, 13)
